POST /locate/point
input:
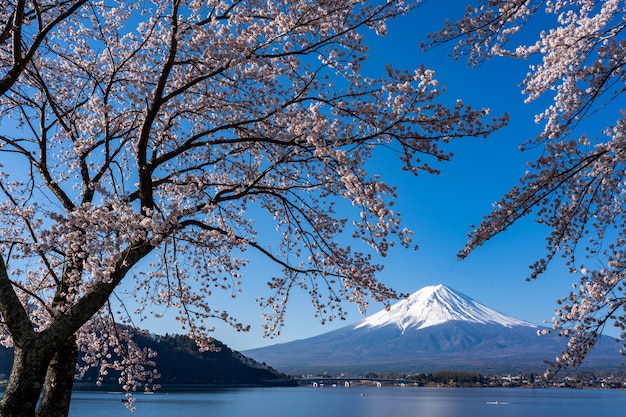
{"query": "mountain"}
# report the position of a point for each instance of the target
(434, 329)
(180, 363)
(435, 305)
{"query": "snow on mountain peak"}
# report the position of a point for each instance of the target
(435, 305)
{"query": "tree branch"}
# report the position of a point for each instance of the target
(12, 310)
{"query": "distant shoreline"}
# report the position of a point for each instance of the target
(89, 386)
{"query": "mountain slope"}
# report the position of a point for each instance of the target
(179, 362)
(434, 329)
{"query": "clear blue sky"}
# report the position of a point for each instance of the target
(440, 209)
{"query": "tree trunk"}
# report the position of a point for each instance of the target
(57, 390)
(25, 382)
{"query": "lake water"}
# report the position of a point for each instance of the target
(358, 401)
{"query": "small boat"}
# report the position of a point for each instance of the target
(496, 402)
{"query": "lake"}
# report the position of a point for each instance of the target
(362, 401)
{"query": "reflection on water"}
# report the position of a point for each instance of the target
(357, 401)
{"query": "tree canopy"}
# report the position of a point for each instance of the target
(154, 133)
(577, 51)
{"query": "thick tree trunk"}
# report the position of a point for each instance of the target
(57, 390)
(25, 382)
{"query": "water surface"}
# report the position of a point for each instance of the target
(357, 401)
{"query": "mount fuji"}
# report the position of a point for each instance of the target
(436, 328)
(435, 305)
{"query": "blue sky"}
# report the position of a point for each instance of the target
(440, 209)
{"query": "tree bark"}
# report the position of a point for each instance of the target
(26, 381)
(57, 389)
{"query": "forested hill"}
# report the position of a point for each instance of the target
(180, 363)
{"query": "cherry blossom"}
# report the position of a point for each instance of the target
(577, 186)
(24, 27)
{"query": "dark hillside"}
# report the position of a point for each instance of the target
(180, 363)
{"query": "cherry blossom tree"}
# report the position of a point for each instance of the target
(577, 186)
(140, 142)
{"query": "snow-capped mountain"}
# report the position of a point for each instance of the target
(434, 329)
(435, 305)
